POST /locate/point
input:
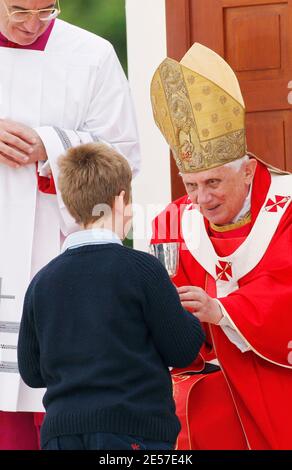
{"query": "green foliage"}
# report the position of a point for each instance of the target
(103, 17)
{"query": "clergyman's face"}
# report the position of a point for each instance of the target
(220, 192)
(26, 32)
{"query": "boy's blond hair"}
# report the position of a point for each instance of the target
(91, 175)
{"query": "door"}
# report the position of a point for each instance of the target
(255, 38)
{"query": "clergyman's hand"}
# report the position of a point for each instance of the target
(19, 144)
(198, 302)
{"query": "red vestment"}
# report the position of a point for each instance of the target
(260, 380)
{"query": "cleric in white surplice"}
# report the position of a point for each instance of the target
(59, 86)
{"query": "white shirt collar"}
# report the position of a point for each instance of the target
(96, 236)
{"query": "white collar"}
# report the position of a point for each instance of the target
(96, 236)
(245, 208)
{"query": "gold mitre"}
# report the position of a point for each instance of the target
(198, 106)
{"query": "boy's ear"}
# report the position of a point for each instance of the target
(119, 202)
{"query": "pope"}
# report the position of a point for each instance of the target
(234, 226)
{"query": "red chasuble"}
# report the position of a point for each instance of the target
(19, 430)
(259, 381)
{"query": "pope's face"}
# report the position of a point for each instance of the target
(26, 32)
(220, 192)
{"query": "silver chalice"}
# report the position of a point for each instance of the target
(168, 255)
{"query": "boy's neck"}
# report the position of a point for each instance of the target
(106, 224)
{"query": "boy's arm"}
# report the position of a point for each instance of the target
(177, 334)
(28, 352)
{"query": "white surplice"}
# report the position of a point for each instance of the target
(73, 92)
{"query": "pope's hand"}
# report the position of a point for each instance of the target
(200, 304)
(19, 144)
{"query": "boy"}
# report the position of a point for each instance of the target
(102, 323)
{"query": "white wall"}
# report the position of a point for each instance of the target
(146, 32)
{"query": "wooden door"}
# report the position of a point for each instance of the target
(255, 38)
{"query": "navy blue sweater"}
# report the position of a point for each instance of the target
(100, 326)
